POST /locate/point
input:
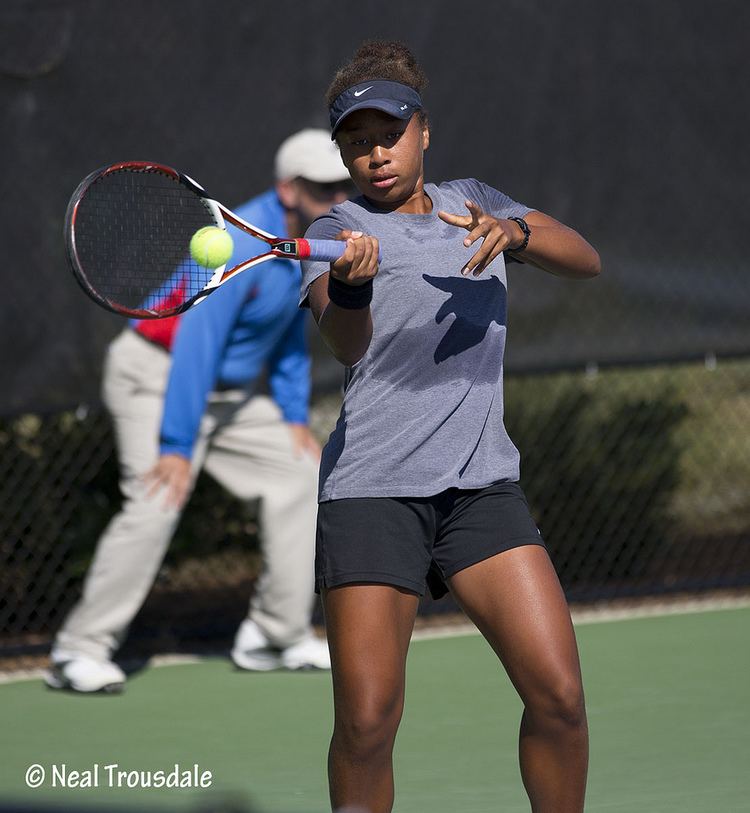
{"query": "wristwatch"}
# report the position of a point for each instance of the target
(526, 234)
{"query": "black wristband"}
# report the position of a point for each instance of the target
(351, 297)
(526, 233)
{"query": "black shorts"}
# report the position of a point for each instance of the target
(418, 542)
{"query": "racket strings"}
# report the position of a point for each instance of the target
(132, 237)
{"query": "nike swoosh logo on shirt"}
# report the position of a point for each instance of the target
(360, 92)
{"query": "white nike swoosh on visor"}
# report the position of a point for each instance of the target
(360, 92)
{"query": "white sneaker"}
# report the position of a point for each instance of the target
(309, 653)
(86, 675)
(254, 652)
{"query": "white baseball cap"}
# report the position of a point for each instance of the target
(310, 154)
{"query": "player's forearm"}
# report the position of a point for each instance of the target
(346, 332)
(559, 250)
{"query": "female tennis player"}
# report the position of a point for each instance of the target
(419, 479)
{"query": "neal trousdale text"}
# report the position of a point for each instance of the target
(113, 776)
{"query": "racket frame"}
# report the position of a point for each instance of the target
(281, 247)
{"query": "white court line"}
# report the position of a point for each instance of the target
(172, 659)
(604, 613)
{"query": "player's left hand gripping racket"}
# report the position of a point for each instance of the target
(127, 233)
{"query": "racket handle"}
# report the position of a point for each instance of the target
(327, 251)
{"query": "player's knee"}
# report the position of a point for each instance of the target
(369, 728)
(562, 704)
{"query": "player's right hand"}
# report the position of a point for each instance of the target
(359, 263)
(172, 475)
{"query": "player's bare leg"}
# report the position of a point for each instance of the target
(516, 600)
(369, 627)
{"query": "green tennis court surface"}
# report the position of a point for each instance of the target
(668, 702)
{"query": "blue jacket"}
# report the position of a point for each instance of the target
(250, 324)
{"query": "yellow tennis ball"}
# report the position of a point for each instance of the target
(211, 246)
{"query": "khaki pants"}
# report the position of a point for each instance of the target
(246, 446)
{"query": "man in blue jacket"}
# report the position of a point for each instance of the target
(183, 397)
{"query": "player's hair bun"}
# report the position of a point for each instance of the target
(378, 59)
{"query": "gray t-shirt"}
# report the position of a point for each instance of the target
(423, 410)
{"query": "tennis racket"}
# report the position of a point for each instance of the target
(127, 235)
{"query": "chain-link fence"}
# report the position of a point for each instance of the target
(638, 478)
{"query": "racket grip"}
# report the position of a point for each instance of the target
(327, 251)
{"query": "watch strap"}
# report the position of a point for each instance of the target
(526, 234)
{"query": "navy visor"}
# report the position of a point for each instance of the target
(391, 97)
